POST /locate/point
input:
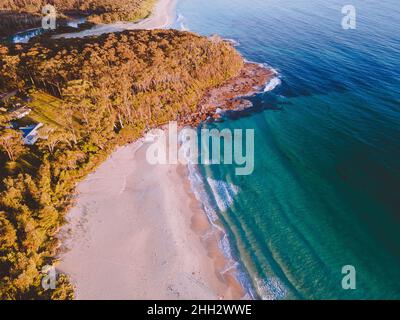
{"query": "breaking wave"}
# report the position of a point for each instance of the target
(271, 289)
(272, 84)
(181, 21)
(223, 194)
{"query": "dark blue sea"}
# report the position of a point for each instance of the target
(325, 192)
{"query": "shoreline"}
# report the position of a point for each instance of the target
(84, 251)
(120, 225)
(162, 17)
(93, 237)
(232, 95)
(163, 249)
(232, 263)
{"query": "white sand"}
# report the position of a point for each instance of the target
(162, 17)
(137, 232)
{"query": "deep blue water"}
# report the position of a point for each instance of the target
(325, 190)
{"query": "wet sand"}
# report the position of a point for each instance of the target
(138, 232)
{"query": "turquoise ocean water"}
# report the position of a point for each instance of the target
(325, 190)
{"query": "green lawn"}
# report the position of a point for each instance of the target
(45, 109)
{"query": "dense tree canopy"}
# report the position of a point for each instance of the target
(18, 15)
(112, 87)
(98, 10)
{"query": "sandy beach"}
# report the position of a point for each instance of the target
(162, 17)
(137, 232)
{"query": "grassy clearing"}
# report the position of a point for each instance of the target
(45, 109)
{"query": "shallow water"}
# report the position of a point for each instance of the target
(25, 36)
(324, 193)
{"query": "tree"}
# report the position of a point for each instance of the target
(4, 120)
(8, 69)
(51, 138)
(64, 290)
(111, 88)
(8, 234)
(77, 94)
(11, 142)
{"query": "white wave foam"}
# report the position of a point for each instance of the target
(224, 193)
(271, 289)
(272, 84)
(198, 187)
(263, 65)
(225, 246)
(234, 42)
(181, 20)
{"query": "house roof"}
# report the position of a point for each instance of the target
(29, 133)
(28, 130)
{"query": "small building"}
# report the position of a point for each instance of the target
(30, 133)
(19, 112)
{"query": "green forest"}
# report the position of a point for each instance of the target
(16, 15)
(111, 89)
(98, 10)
